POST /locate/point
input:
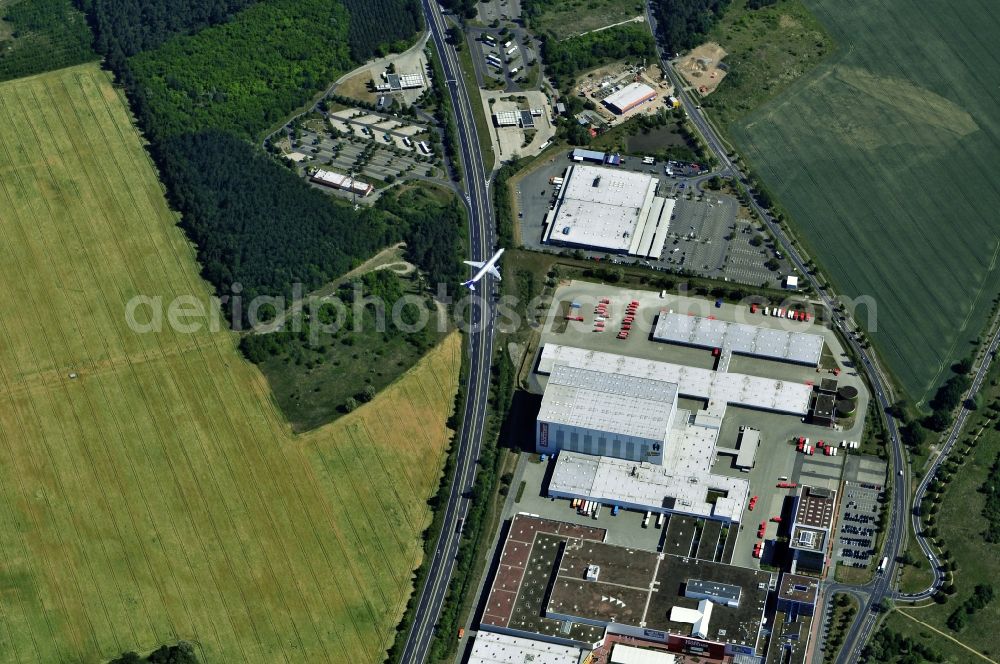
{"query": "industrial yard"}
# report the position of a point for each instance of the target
(692, 230)
(692, 428)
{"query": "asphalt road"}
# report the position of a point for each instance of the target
(482, 242)
(880, 587)
(918, 497)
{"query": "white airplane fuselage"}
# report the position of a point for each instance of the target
(488, 267)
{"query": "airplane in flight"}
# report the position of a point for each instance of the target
(489, 267)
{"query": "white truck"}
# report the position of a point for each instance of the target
(659, 520)
(645, 520)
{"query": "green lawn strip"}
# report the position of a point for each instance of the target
(478, 114)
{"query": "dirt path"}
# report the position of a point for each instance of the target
(634, 19)
(389, 258)
(947, 636)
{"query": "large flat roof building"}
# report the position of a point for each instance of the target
(516, 600)
(629, 97)
(717, 388)
(811, 526)
(610, 210)
(739, 338)
(643, 594)
(493, 648)
(597, 412)
(675, 478)
(797, 594)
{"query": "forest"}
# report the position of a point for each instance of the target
(378, 27)
(434, 231)
(338, 358)
(683, 24)
(889, 647)
(247, 74)
(257, 224)
(201, 97)
(126, 27)
(44, 35)
(564, 60)
(466, 8)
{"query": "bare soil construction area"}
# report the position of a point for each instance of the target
(701, 67)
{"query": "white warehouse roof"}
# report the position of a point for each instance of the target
(609, 208)
(718, 388)
(739, 338)
(623, 654)
(629, 96)
(492, 648)
(681, 484)
(626, 405)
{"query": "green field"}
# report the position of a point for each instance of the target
(767, 50)
(884, 156)
(566, 18)
(149, 489)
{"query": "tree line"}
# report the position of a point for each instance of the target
(464, 8)
(991, 510)
(683, 24)
(44, 35)
(981, 596)
(566, 59)
(182, 653)
(199, 97)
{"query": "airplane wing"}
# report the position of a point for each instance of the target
(475, 264)
(495, 272)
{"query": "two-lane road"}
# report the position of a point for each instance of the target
(480, 334)
(880, 587)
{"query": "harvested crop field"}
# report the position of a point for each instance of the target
(149, 489)
(885, 156)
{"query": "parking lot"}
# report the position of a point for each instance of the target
(706, 236)
(698, 238)
(745, 262)
(858, 524)
(373, 157)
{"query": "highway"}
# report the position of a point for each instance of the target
(480, 337)
(482, 243)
